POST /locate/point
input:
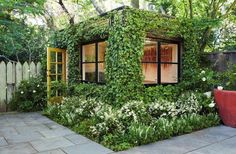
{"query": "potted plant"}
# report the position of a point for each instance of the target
(226, 99)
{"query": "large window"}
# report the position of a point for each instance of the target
(93, 58)
(160, 63)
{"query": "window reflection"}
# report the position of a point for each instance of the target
(89, 53)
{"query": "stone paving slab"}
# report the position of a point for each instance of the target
(56, 133)
(3, 141)
(90, 148)
(24, 137)
(50, 143)
(57, 151)
(215, 140)
(22, 148)
(77, 139)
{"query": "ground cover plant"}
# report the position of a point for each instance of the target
(136, 122)
(31, 95)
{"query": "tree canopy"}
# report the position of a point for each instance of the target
(24, 22)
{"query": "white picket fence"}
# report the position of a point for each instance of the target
(11, 74)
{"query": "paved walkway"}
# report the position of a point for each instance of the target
(29, 133)
(215, 140)
(32, 133)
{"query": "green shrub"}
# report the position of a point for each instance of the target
(30, 95)
(139, 134)
(136, 122)
(26, 106)
(231, 78)
(58, 88)
(160, 92)
(87, 90)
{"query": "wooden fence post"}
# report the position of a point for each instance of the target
(3, 78)
(26, 71)
(11, 74)
(19, 73)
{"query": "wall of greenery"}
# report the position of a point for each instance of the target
(125, 31)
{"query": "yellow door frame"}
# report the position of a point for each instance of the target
(55, 63)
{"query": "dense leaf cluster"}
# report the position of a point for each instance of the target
(125, 31)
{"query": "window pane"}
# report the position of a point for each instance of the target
(150, 73)
(89, 72)
(53, 56)
(169, 73)
(59, 57)
(150, 51)
(59, 68)
(169, 52)
(53, 77)
(89, 53)
(53, 68)
(101, 51)
(101, 76)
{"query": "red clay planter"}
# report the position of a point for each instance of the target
(226, 102)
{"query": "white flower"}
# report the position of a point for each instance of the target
(211, 105)
(38, 85)
(207, 94)
(28, 70)
(203, 72)
(203, 79)
(22, 92)
(220, 88)
(34, 91)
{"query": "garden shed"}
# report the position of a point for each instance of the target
(125, 49)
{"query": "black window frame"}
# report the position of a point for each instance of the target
(96, 61)
(159, 62)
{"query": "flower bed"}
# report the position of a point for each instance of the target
(135, 122)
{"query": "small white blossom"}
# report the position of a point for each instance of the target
(211, 105)
(34, 91)
(38, 85)
(22, 92)
(207, 94)
(203, 72)
(220, 88)
(203, 79)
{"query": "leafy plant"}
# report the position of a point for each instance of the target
(30, 95)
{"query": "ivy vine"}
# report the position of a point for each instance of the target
(126, 31)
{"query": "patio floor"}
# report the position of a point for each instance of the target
(27, 133)
(24, 133)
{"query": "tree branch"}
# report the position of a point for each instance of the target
(71, 20)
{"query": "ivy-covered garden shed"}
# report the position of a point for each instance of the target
(125, 49)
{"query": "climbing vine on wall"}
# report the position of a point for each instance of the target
(125, 31)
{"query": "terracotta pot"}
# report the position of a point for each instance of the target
(226, 102)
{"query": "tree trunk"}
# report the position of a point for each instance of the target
(190, 9)
(71, 20)
(135, 3)
(98, 8)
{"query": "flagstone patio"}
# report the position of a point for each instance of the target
(28, 133)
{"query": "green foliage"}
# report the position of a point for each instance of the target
(18, 40)
(136, 122)
(26, 106)
(87, 90)
(126, 34)
(230, 76)
(58, 88)
(30, 95)
(160, 92)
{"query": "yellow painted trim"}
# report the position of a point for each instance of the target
(63, 63)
